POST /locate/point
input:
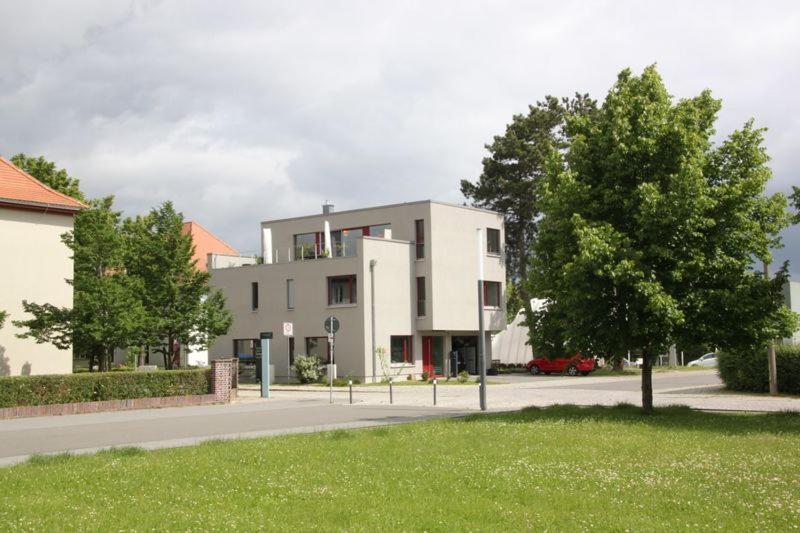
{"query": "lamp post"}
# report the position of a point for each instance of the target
(481, 328)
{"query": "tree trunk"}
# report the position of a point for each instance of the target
(647, 382)
(110, 356)
(617, 364)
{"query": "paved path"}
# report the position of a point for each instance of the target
(182, 426)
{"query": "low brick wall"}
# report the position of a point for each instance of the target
(106, 405)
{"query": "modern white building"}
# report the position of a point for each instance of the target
(402, 280)
(35, 266)
(791, 295)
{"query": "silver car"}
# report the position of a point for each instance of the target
(709, 359)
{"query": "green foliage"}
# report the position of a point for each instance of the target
(306, 367)
(463, 376)
(649, 231)
(747, 369)
(70, 388)
(46, 172)
(3, 316)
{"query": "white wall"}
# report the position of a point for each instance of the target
(34, 267)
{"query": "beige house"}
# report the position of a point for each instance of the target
(791, 296)
(420, 257)
(34, 266)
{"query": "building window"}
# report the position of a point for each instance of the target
(421, 296)
(318, 347)
(419, 231)
(492, 292)
(492, 241)
(291, 351)
(402, 350)
(289, 294)
(308, 245)
(342, 290)
(254, 295)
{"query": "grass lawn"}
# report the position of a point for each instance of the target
(560, 468)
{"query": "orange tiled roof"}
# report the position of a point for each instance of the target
(17, 188)
(205, 243)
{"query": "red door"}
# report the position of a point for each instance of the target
(433, 356)
(427, 355)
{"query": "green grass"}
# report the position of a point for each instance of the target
(561, 468)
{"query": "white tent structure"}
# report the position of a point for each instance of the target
(510, 345)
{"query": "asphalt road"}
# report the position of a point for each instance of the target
(182, 426)
(686, 380)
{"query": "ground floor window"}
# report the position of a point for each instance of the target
(291, 351)
(249, 353)
(318, 347)
(402, 349)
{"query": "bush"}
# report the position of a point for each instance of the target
(747, 370)
(94, 386)
(307, 368)
(463, 376)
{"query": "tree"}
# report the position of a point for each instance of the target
(106, 312)
(46, 172)
(180, 306)
(649, 231)
(3, 316)
(513, 176)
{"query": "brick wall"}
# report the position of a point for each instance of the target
(224, 373)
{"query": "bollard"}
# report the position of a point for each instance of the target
(435, 382)
(350, 384)
(391, 394)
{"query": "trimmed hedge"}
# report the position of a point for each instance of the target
(70, 388)
(747, 370)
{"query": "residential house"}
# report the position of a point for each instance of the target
(402, 280)
(791, 296)
(35, 266)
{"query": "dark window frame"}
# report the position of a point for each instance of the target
(407, 350)
(493, 241)
(419, 238)
(254, 296)
(493, 288)
(327, 358)
(352, 289)
(422, 303)
(290, 293)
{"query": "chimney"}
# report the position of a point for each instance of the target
(327, 208)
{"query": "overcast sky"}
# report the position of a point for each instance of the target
(246, 111)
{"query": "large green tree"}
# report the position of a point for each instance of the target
(181, 307)
(513, 176)
(46, 172)
(3, 316)
(649, 231)
(106, 312)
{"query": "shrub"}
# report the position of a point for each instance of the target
(747, 370)
(463, 376)
(307, 368)
(94, 386)
(426, 376)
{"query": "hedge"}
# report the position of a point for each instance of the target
(747, 370)
(70, 388)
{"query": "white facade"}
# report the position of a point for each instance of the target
(321, 267)
(791, 295)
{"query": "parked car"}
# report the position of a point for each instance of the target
(573, 366)
(709, 359)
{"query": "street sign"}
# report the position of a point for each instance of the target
(331, 324)
(288, 329)
(330, 337)
(266, 334)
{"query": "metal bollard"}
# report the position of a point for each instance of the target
(350, 384)
(391, 393)
(435, 382)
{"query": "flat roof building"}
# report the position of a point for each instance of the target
(401, 278)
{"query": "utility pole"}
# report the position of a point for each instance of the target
(771, 359)
(481, 328)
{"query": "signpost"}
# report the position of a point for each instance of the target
(331, 326)
(265, 338)
(288, 332)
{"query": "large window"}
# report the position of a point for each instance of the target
(492, 293)
(309, 245)
(419, 232)
(492, 241)
(318, 347)
(342, 290)
(254, 295)
(344, 240)
(421, 296)
(402, 349)
(289, 294)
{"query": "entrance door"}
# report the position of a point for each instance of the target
(433, 355)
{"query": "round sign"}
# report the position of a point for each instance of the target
(331, 324)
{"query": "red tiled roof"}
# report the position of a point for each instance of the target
(205, 243)
(17, 188)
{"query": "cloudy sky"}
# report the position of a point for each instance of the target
(246, 111)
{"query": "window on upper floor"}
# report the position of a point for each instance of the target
(419, 238)
(492, 293)
(254, 296)
(402, 349)
(308, 245)
(421, 303)
(289, 294)
(342, 290)
(492, 241)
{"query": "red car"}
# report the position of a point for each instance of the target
(574, 365)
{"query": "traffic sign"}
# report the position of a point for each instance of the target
(330, 337)
(288, 329)
(266, 334)
(331, 324)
